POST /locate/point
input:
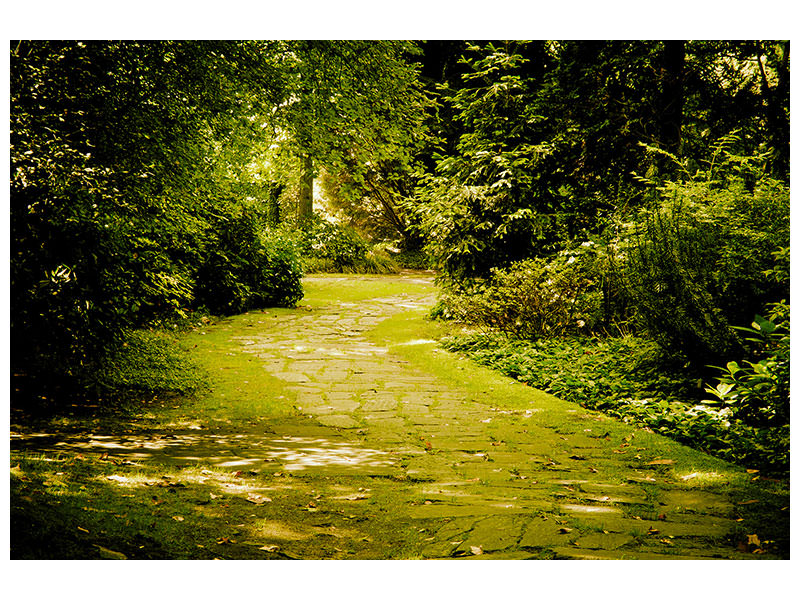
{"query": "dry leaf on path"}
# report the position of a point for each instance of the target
(662, 461)
(476, 550)
(257, 498)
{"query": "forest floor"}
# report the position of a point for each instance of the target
(377, 445)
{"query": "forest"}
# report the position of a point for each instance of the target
(575, 197)
(607, 220)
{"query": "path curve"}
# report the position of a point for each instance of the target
(475, 494)
(385, 460)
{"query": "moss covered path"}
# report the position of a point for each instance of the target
(387, 455)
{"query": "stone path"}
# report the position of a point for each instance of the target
(467, 480)
(484, 482)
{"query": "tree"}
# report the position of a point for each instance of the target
(121, 158)
(349, 105)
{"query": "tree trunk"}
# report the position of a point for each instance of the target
(776, 99)
(305, 203)
(672, 95)
(273, 203)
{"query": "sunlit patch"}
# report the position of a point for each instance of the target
(278, 530)
(238, 451)
(698, 477)
(417, 343)
(579, 508)
(302, 453)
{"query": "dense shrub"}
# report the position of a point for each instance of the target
(531, 299)
(698, 265)
(248, 266)
(336, 248)
(413, 259)
(757, 391)
(143, 363)
(337, 243)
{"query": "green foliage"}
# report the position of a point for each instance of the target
(630, 378)
(489, 203)
(117, 182)
(531, 299)
(699, 261)
(248, 266)
(413, 259)
(329, 247)
(757, 392)
(340, 244)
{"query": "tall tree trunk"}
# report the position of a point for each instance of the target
(672, 60)
(305, 203)
(776, 99)
(273, 203)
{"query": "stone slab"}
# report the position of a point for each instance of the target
(339, 421)
(541, 534)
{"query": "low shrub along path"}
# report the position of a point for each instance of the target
(383, 452)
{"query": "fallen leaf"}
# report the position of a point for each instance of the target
(476, 550)
(665, 541)
(662, 517)
(225, 540)
(357, 497)
(565, 530)
(653, 531)
(751, 471)
(662, 461)
(83, 530)
(257, 498)
(269, 548)
(214, 496)
(178, 518)
(752, 540)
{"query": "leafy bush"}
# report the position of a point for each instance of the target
(531, 299)
(758, 392)
(697, 266)
(248, 266)
(413, 259)
(337, 243)
(336, 248)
